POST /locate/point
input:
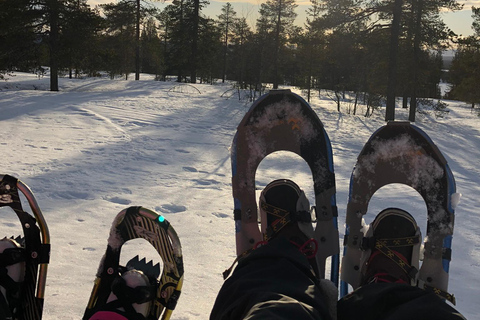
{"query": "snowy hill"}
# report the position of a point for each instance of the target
(99, 146)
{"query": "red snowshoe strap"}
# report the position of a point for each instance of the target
(108, 315)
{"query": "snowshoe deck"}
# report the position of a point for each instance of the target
(133, 223)
(35, 243)
(402, 153)
(283, 121)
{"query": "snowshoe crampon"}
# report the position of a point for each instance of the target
(402, 153)
(22, 298)
(133, 223)
(283, 121)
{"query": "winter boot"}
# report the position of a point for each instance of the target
(392, 248)
(285, 212)
(12, 273)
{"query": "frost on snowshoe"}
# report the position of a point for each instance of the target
(402, 153)
(283, 121)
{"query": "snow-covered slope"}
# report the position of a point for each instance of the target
(99, 146)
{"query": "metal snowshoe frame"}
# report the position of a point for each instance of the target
(402, 153)
(283, 121)
(134, 223)
(36, 245)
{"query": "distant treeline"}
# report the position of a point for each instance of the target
(367, 48)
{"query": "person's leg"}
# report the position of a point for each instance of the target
(390, 301)
(277, 280)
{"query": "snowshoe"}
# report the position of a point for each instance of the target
(402, 153)
(283, 121)
(138, 290)
(24, 260)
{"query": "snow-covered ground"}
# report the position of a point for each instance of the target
(99, 146)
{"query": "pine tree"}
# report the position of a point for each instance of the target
(226, 22)
(277, 20)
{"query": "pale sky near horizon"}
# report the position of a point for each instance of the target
(460, 22)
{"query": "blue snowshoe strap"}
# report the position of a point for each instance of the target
(284, 218)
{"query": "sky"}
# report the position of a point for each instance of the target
(460, 22)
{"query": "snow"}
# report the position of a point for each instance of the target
(99, 146)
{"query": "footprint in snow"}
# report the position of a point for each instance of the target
(119, 200)
(170, 208)
(182, 151)
(205, 182)
(190, 169)
(9, 224)
(220, 215)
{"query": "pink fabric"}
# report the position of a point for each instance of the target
(107, 315)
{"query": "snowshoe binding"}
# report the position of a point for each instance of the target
(138, 290)
(133, 292)
(23, 260)
(285, 212)
(392, 248)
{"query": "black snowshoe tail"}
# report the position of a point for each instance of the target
(402, 153)
(35, 243)
(148, 268)
(283, 121)
(133, 223)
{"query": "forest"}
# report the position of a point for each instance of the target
(369, 50)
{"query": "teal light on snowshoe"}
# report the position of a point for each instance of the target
(161, 219)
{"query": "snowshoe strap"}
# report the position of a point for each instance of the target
(139, 294)
(371, 242)
(10, 256)
(284, 218)
(382, 246)
(442, 294)
(5, 312)
(227, 272)
(13, 289)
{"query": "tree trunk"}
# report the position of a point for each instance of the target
(137, 42)
(277, 46)
(392, 64)
(53, 45)
(416, 61)
(193, 60)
